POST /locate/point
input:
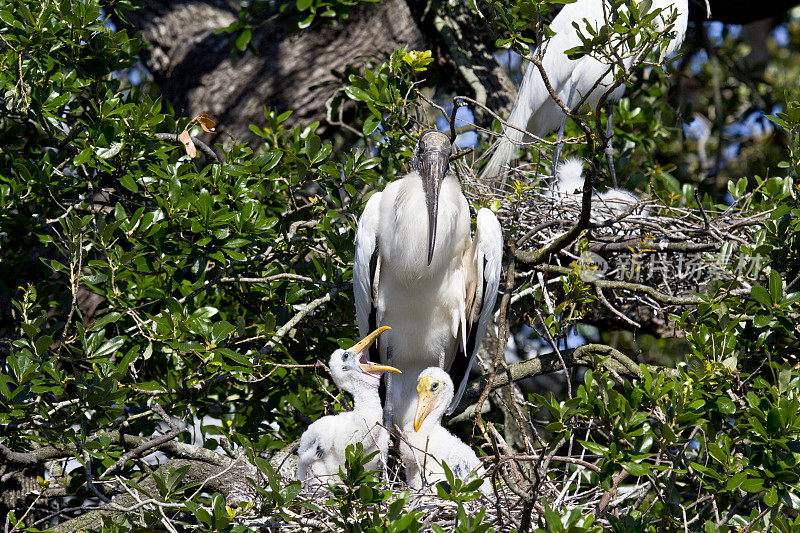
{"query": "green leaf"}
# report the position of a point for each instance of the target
(220, 515)
(593, 447)
(302, 5)
(221, 330)
(313, 145)
(771, 497)
(752, 485)
(109, 347)
(726, 405)
(306, 22)
(774, 421)
(762, 320)
(358, 94)
(199, 513)
(761, 295)
(775, 286)
(243, 40)
(636, 469)
(110, 151)
(717, 453)
(291, 491)
(736, 480)
(104, 320)
(175, 476)
(43, 343)
(7, 17)
(370, 125)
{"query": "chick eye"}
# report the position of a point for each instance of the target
(434, 385)
(346, 356)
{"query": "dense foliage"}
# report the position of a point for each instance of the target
(142, 289)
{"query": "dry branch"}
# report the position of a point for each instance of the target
(588, 355)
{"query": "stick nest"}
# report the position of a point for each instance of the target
(645, 258)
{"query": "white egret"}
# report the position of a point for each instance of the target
(322, 445)
(572, 80)
(417, 270)
(428, 443)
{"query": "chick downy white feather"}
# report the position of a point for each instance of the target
(610, 203)
(322, 446)
(427, 443)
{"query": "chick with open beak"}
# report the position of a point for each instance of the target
(359, 352)
(322, 447)
(431, 160)
(428, 443)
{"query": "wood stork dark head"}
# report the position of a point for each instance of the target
(431, 160)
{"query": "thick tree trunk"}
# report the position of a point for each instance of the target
(192, 64)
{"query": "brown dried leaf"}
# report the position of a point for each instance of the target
(206, 123)
(186, 139)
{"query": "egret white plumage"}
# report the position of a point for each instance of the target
(428, 443)
(572, 80)
(417, 270)
(323, 444)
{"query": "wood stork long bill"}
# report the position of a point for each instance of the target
(428, 443)
(417, 270)
(322, 445)
(572, 80)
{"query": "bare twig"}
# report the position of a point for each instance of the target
(554, 346)
(145, 447)
(305, 310)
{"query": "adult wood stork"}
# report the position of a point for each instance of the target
(572, 80)
(417, 270)
(427, 443)
(322, 445)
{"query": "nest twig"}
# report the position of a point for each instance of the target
(645, 260)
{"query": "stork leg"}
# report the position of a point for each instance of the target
(560, 136)
(609, 147)
(388, 405)
(390, 460)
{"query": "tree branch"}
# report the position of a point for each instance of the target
(151, 444)
(635, 287)
(652, 248)
(173, 448)
(590, 355)
(306, 309)
(229, 481)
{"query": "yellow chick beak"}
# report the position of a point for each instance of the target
(374, 368)
(425, 402)
(364, 344)
(367, 341)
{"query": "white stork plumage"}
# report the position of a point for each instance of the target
(417, 270)
(571, 79)
(322, 446)
(427, 443)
